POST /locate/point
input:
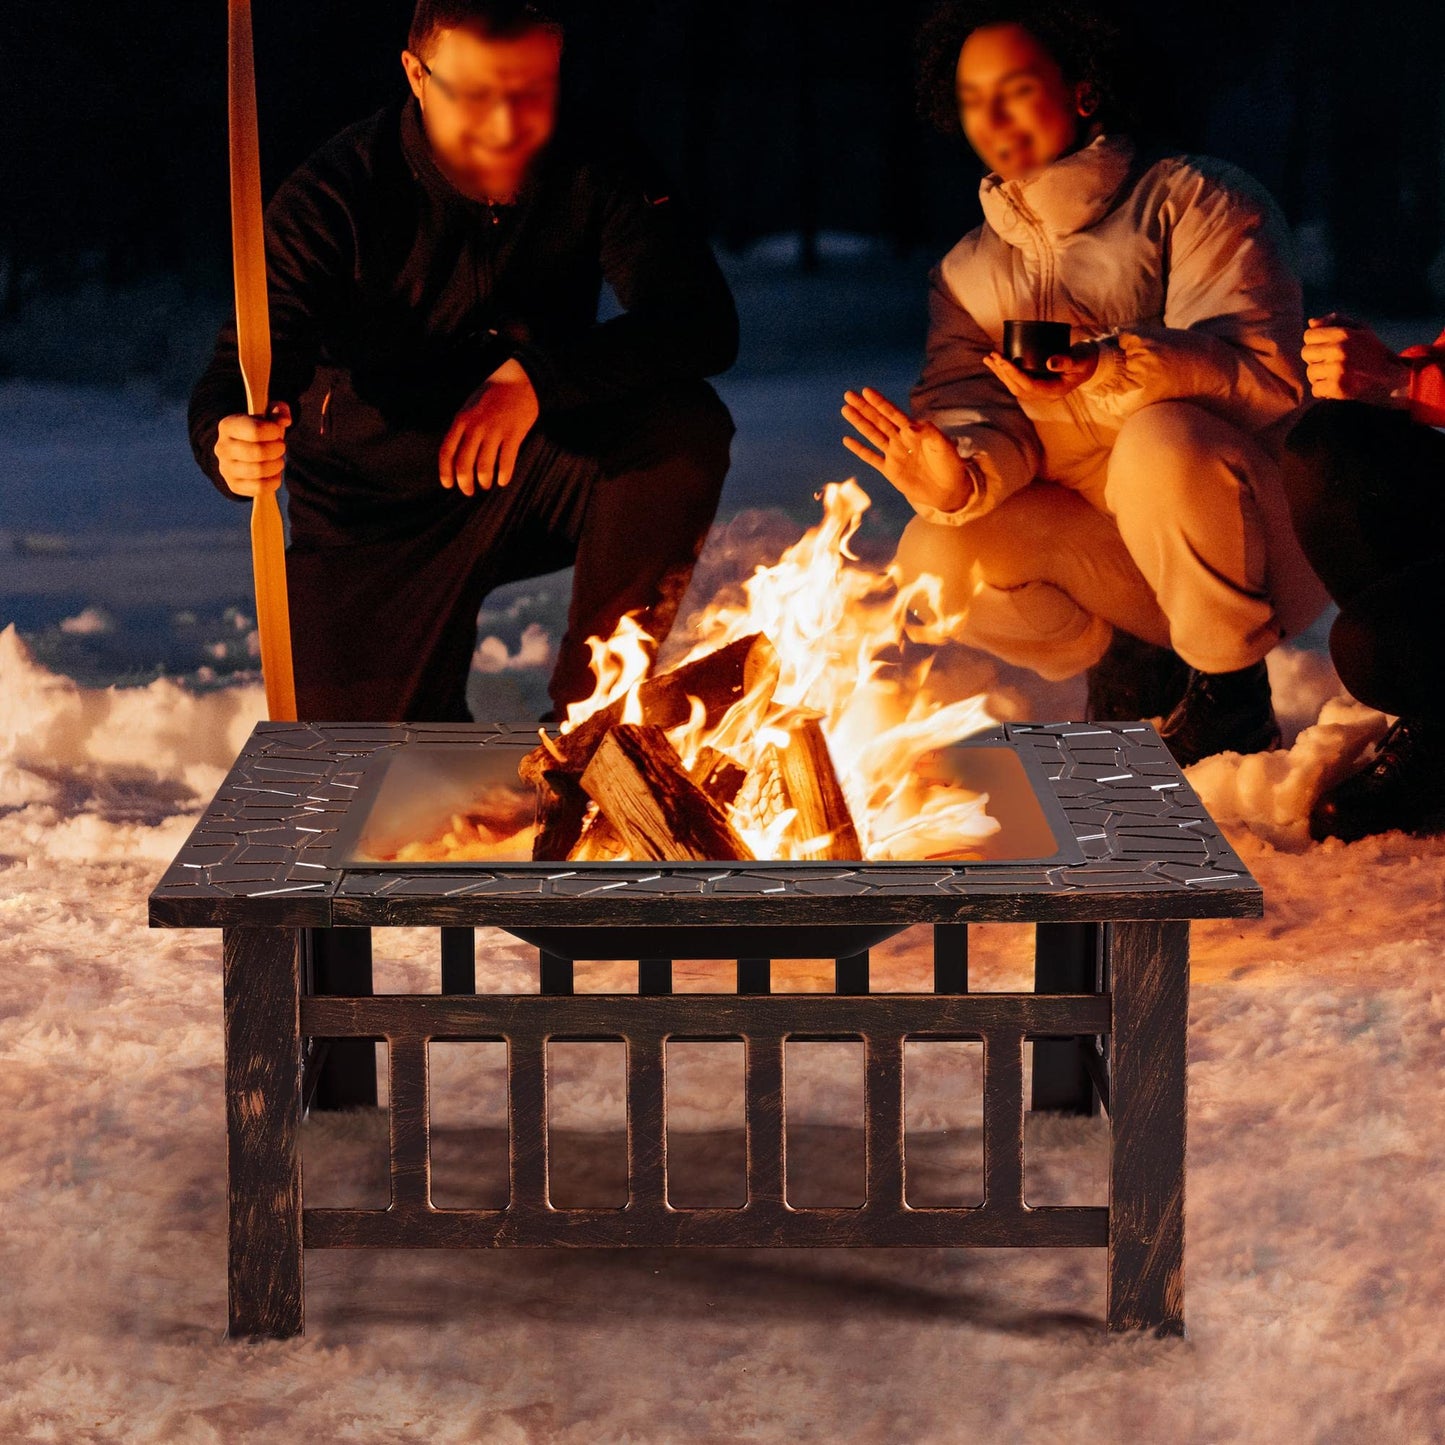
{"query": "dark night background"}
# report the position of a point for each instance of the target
(771, 117)
(789, 128)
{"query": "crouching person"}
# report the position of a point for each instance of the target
(1136, 490)
(1365, 475)
(451, 415)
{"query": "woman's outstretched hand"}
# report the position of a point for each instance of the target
(914, 456)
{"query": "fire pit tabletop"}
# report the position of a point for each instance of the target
(1136, 843)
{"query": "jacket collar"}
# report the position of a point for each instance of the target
(1069, 195)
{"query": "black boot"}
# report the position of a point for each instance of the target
(1222, 712)
(1401, 786)
(1135, 679)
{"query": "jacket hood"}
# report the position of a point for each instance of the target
(1068, 195)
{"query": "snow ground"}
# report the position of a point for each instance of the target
(1314, 1267)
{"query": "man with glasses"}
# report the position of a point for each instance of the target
(449, 412)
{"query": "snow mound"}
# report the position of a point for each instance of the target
(122, 773)
(1270, 794)
(109, 772)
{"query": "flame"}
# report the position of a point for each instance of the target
(619, 664)
(838, 627)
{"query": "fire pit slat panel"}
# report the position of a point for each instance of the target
(646, 1123)
(765, 1108)
(884, 1122)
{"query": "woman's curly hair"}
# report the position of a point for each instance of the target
(1087, 45)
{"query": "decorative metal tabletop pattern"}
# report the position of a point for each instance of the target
(259, 854)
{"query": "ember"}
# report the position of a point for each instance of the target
(796, 729)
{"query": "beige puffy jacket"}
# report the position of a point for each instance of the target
(1182, 265)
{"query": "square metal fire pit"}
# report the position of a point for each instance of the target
(1105, 848)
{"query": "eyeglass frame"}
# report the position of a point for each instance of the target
(457, 97)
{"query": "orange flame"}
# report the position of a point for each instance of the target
(837, 626)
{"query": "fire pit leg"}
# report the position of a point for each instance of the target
(261, 987)
(950, 958)
(340, 963)
(1064, 962)
(654, 976)
(850, 975)
(555, 973)
(459, 960)
(1148, 965)
(755, 975)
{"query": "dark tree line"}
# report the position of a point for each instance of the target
(771, 115)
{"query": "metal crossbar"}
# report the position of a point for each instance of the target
(883, 1022)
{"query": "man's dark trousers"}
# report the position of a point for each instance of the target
(1366, 488)
(384, 625)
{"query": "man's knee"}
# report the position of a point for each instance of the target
(687, 423)
(1385, 645)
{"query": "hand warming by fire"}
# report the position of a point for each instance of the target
(794, 729)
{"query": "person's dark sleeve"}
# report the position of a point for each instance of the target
(679, 321)
(310, 252)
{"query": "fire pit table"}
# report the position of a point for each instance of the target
(1108, 852)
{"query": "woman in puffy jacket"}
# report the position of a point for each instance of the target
(1137, 488)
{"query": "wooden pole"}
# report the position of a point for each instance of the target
(253, 344)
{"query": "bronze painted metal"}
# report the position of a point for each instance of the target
(1107, 1016)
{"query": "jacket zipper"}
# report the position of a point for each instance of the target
(1047, 287)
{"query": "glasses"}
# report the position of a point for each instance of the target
(479, 104)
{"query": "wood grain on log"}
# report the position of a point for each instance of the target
(717, 775)
(561, 806)
(812, 788)
(637, 780)
(600, 843)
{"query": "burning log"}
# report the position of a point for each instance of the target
(718, 776)
(811, 786)
(637, 781)
(600, 843)
(718, 680)
(561, 807)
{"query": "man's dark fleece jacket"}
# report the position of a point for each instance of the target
(393, 296)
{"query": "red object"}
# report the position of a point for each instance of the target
(1427, 381)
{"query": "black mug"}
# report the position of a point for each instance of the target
(1029, 344)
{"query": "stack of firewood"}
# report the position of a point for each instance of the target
(612, 790)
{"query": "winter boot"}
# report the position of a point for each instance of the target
(1401, 786)
(1222, 712)
(1135, 679)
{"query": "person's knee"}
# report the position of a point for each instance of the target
(1018, 542)
(1362, 662)
(1384, 643)
(1157, 446)
(932, 550)
(1164, 458)
(692, 418)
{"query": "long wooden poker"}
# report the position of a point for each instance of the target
(253, 342)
